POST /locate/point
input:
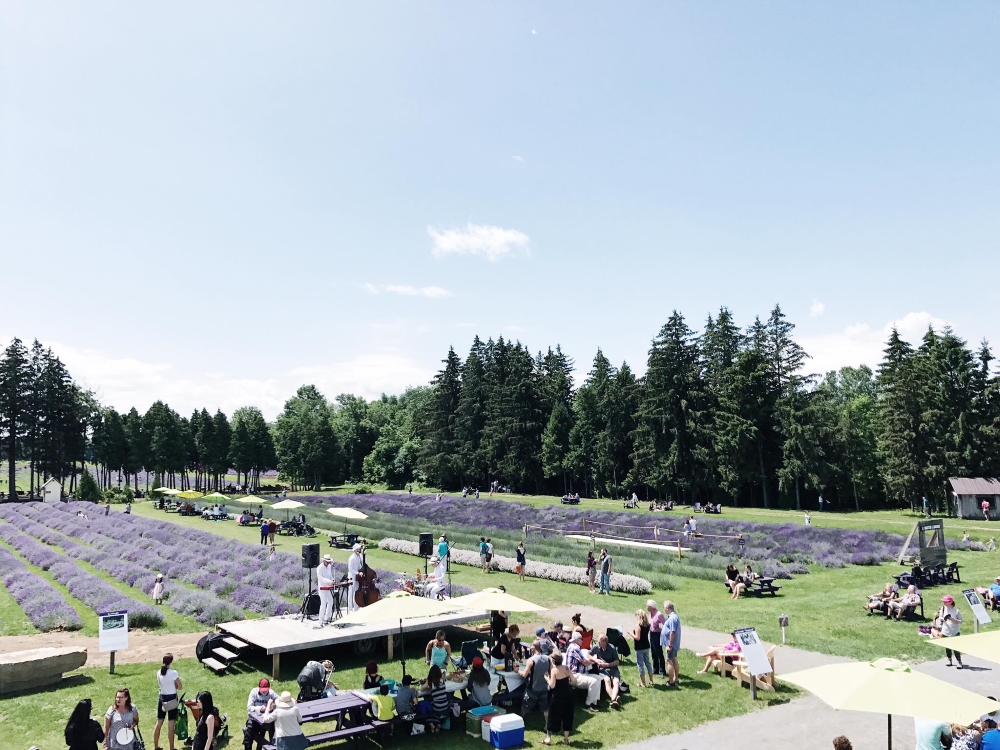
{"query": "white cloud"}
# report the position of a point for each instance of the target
(434, 292)
(816, 309)
(124, 382)
(491, 242)
(518, 159)
(861, 344)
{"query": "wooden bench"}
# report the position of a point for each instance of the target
(347, 733)
(763, 586)
(216, 666)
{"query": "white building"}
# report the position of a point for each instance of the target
(51, 491)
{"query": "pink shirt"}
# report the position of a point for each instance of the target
(656, 622)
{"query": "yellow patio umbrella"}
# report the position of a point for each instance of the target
(347, 514)
(889, 686)
(491, 599)
(398, 605)
(287, 505)
(984, 645)
(249, 499)
(166, 491)
(189, 494)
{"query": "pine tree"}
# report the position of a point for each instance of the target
(471, 417)
(440, 459)
(898, 411)
(15, 373)
(555, 442)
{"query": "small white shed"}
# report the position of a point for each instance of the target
(969, 493)
(51, 492)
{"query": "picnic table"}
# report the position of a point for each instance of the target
(759, 586)
(343, 541)
(352, 713)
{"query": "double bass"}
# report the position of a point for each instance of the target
(367, 592)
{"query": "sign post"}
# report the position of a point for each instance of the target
(982, 616)
(754, 656)
(112, 633)
(783, 623)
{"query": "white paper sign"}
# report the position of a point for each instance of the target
(112, 631)
(753, 652)
(977, 606)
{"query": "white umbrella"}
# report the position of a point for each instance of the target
(287, 505)
(347, 513)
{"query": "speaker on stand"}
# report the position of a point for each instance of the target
(310, 561)
(426, 548)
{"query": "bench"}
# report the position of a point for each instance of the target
(346, 733)
(216, 666)
(343, 541)
(763, 586)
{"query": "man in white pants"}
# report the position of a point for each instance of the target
(353, 569)
(435, 590)
(579, 665)
(325, 582)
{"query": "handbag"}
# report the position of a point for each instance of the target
(138, 743)
(169, 705)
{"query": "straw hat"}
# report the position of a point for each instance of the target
(285, 700)
(327, 558)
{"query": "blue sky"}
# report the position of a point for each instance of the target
(213, 203)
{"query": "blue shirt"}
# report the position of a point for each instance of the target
(991, 740)
(442, 550)
(672, 625)
(995, 588)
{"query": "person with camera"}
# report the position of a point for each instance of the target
(947, 624)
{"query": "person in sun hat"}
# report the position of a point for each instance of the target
(285, 716)
(947, 624)
(325, 582)
(257, 702)
(436, 585)
(353, 570)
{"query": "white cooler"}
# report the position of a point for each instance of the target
(506, 731)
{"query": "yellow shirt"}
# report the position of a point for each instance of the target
(386, 707)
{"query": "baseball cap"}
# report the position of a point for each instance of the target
(947, 599)
(264, 685)
(477, 661)
(539, 631)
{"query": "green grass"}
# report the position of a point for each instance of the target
(13, 621)
(644, 713)
(825, 606)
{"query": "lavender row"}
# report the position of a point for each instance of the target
(88, 588)
(45, 607)
(203, 606)
(778, 543)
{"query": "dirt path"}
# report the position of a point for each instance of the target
(142, 646)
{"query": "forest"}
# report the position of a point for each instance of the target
(727, 414)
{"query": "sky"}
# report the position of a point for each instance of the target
(214, 203)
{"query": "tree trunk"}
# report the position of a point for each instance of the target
(854, 483)
(798, 500)
(763, 476)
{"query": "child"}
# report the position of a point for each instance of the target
(157, 593)
(272, 555)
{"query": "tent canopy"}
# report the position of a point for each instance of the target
(490, 599)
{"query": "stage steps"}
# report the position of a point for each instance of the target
(216, 666)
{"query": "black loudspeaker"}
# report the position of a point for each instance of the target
(310, 555)
(427, 544)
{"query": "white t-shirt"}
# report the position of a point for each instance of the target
(694, 524)
(167, 686)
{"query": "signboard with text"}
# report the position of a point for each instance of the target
(753, 651)
(112, 631)
(977, 606)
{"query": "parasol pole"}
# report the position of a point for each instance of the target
(890, 731)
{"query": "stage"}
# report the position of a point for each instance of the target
(280, 635)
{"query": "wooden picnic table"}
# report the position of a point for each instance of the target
(352, 713)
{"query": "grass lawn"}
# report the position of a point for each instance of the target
(643, 714)
(825, 606)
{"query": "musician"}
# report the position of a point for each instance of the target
(354, 563)
(325, 581)
(435, 589)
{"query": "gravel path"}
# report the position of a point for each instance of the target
(142, 646)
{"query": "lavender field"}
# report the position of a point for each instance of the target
(778, 550)
(209, 578)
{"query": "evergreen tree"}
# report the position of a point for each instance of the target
(470, 417)
(89, 492)
(898, 411)
(15, 374)
(440, 458)
(555, 443)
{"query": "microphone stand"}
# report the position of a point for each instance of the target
(447, 562)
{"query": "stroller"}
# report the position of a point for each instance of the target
(184, 727)
(312, 681)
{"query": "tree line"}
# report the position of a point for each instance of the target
(726, 414)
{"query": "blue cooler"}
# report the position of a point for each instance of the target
(507, 731)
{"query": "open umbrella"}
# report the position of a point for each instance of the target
(889, 686)
(491, 599)
(166, 491)
(216, 496)
(347, 514)
(398, 605)
(189, 494)
(287, 505)
(249, 499)
(984, 645)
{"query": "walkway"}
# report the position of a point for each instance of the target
(802, 724)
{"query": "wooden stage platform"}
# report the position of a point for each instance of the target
(280, 635)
